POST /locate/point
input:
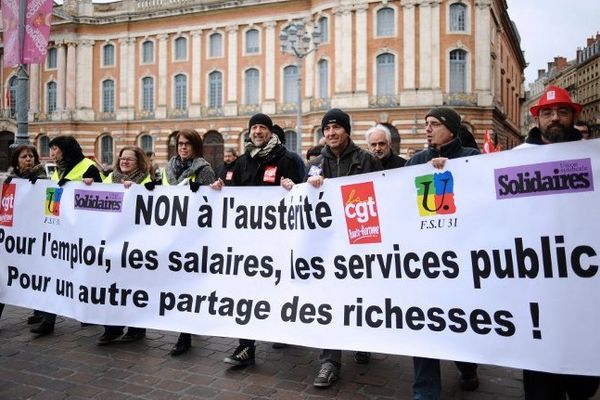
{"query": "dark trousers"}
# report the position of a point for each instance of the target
(48, 318)
(1, 308)
(428, 380)
(247, 342)
(546, 386)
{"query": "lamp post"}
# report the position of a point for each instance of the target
(22, 101)
(297, 41)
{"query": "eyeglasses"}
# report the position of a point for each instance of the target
(562, 112)
(128, 160)
(184, 144)
(433, 124)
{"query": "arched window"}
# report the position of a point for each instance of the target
(51, 97)
(51, 58)
(458, 71)
(108, 52)
(148, 94)
(180, 92)
(106, 149)
(458, 17)
(215, 45)
(291, 141)
(290, 84)
(180, 48)
(324, 28)
(386, 80)
(252, 43)
(108, 96)
(43, 146)
(323, 71)
(385, 22)
(147, 52)
(215, 89)
(146, 143)
(12, 96)
(251, 86)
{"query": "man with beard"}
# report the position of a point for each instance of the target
(554, 116)
(225, 170)
(379, 139)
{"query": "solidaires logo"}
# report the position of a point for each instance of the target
(52, 203)
(435, 194)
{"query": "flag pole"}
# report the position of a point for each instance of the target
(22, 101)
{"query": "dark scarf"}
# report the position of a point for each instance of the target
(179, 170)
(61, 167)
(136, 176)
(262, 152)
(37, 171)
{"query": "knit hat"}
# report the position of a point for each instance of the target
(262, 119)
(554, 96)
(339, 117)
(279, 132)
(448, 117)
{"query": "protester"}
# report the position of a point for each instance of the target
(554, 116)
(466, 137)
(188, 167)
(443, 128)
(379, 140)
(265, 162)
(313, 152)
(132, 167)
(339, 157)
(225, 170)
(154, 168)
(281, 135)
(25, 164)
(584, 128)
(410, 152)
(71, 165)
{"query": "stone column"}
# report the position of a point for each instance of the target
(343, 58)
(483, 53)
(61, 75)
(161, 104)
(84, 88)
(34, 90)
(230, 106)
(127, 84)
(408, 95)
(71, 76)
(361, 96)
(195, 108)
(268, 104)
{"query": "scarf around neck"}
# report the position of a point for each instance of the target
(261, 152)
(136, 176)
(179, 170)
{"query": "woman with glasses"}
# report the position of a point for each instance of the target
(188, 167)
(132, 167)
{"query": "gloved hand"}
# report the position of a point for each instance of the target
(194, 186)
(63, 181)
(150, 185)
(8, 180)
(33, 179)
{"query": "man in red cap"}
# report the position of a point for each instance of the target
(554, 117)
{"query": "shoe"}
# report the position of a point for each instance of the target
(182, 346)
(326, 376)
(278, 345)
(468, 382)
(132, 336)
(362, 357)
(43, 329)
(109, 337)
(34, 319)
(243, 355)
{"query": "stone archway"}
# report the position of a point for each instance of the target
(6, 139)
(213, 146)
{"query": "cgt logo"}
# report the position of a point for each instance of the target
(52, 203)
(7, 206)
(360, 209)
(435, 194)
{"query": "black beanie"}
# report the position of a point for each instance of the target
(279, 132)
(339, 117)
(448, 117)
(262, 119)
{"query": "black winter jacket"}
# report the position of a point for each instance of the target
(452, 149)
(392, 161)
(265, 171)
(352, 161)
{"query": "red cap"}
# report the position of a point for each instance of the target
(554, 95)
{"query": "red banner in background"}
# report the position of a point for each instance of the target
(10, 24)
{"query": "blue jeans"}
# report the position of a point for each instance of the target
(428, 381)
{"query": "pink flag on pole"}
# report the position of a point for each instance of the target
(10, 23)
(38, 18)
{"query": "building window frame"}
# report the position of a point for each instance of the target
(215, 46)
(52, 58)
(252, 44)
(180, 91)
(252, 87)
(379, 28)
(147, 93)
(214, 95)
(453, 66)
(379, 81)
(147, 46)
(453, 18)
(180, 48)
(107, 93)
(108, 55)
(51, 96)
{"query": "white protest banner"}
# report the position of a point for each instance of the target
(492, 260)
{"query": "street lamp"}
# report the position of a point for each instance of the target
(295, 40)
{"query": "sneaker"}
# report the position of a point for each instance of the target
(43, 329)
(184, 343)
(243, 355)
(362, 357)
(326, 376)
(468, 382)
(34, 319)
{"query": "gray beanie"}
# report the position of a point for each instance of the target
(448, 117)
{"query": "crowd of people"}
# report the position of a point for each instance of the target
(266, 162)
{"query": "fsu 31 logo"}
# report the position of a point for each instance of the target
(435, 194)
(7, 206)
(52, 203)
(360, 209)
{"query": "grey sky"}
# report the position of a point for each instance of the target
(550, 28)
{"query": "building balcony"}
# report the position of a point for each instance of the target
(213, 112)
(177, 113)
(248, 109)
(384, 101)
(106, 116)
(319, 104)
(460, 99)
(144, 114)
(287, 108)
